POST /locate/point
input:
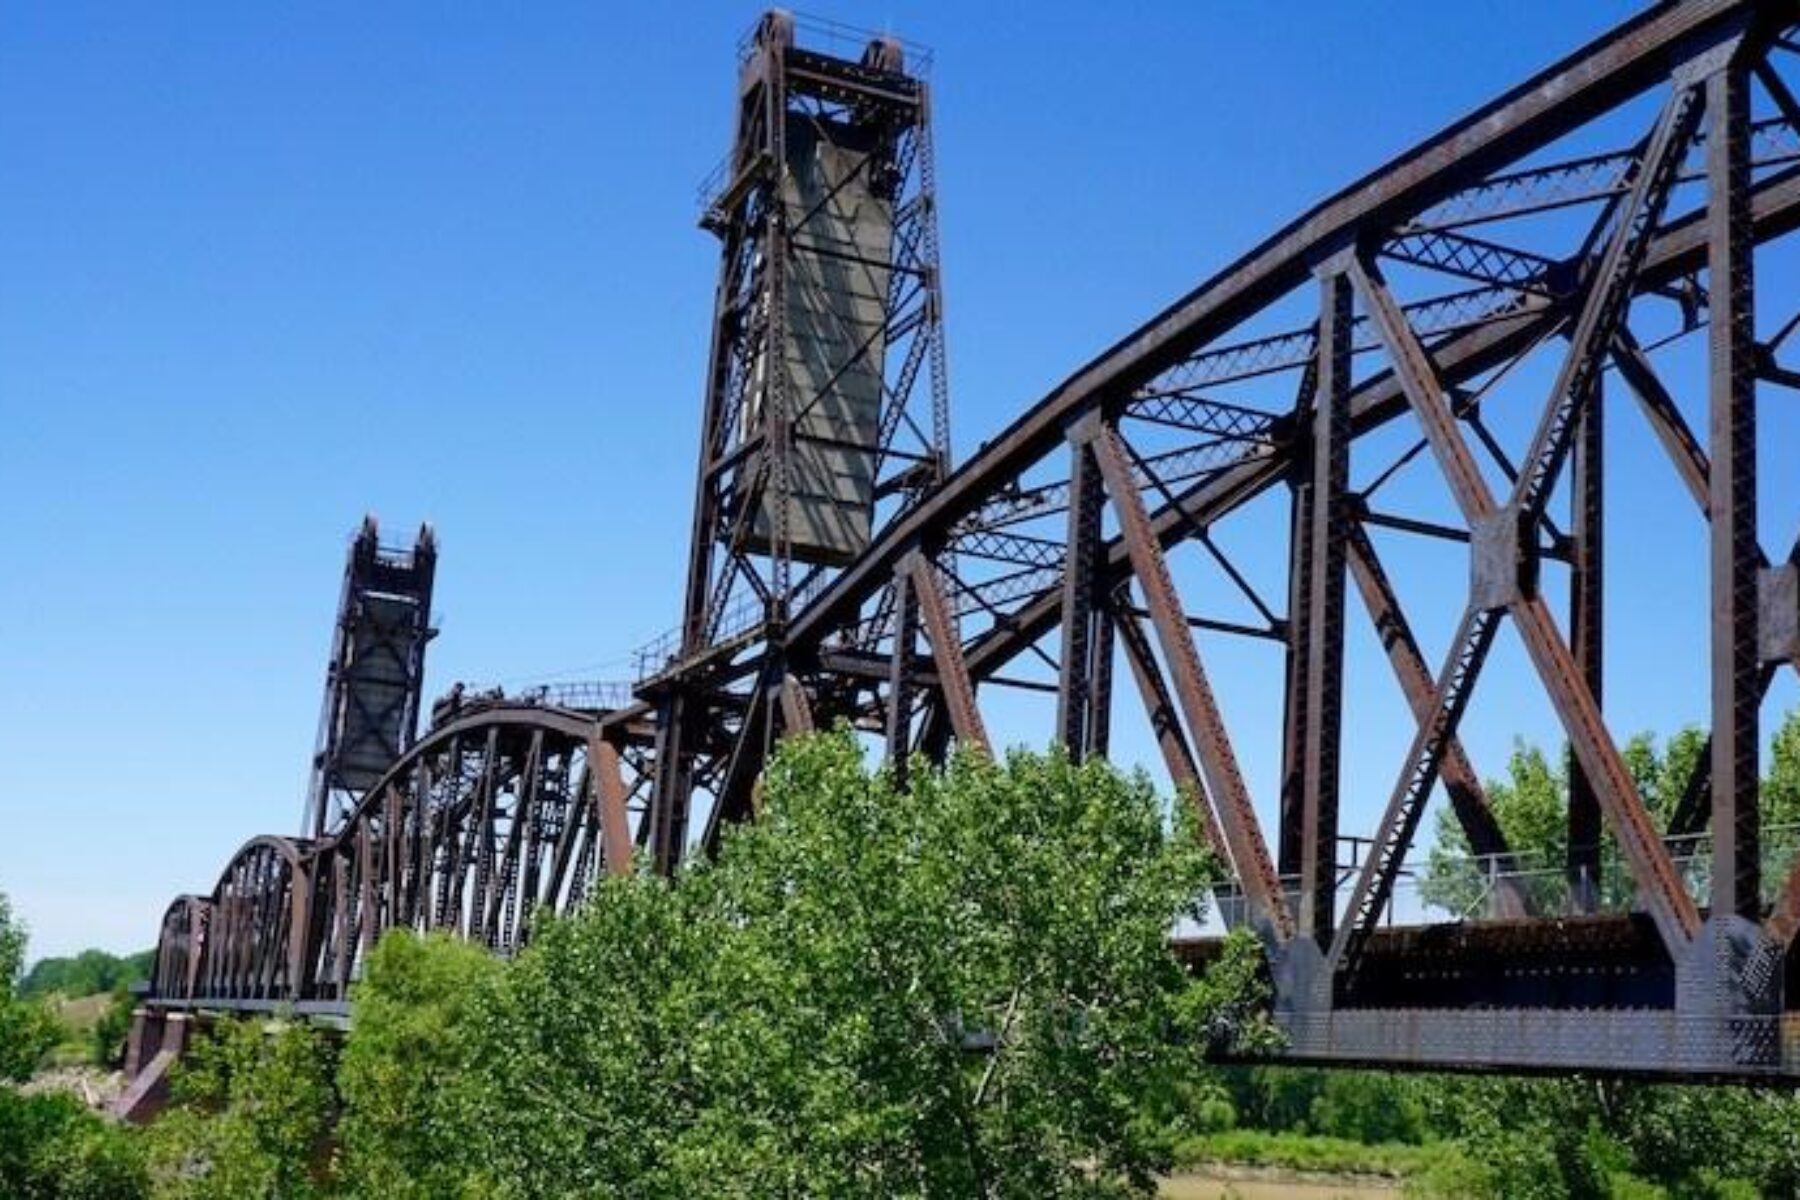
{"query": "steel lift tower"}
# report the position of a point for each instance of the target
(376, 673)
(817, 425)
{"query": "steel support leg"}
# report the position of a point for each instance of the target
(1290, 832)
(1075, 684)
(1736, 662)
(1586, 641)
(1468, 799)
(1099, 719)
(1323, 643)
(946, 653)
(1165, 725)
(673, 786)
(901, 676)
(609, 803)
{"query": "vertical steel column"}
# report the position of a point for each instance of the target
(1586, 624)
(1075, 684)
(1099, 719)
(1736, 664)
(609, 801)
(1324, 637)
(901, 674)
(673, 786)
(1291, 831)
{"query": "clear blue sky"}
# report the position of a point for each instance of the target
(264, 268)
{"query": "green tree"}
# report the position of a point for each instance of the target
(27, 1027)
(401, 1132)
(107, 1040)
(53, 1148)
(962, 989)
(86, 973)
(1531, 804)
(254, 1105)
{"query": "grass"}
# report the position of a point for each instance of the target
(78, 1016)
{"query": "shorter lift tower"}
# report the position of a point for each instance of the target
(376, 673)
(826, 408)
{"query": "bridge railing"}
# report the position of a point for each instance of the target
(1441, 888)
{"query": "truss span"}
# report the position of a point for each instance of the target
(491, 817)
(1467, 319)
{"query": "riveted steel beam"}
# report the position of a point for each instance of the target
(1608, 294)
(1165, 726)
(1735, 553)
(1468, 799)
(1322, 643)
(1080, 599)
(1586, 637)
(901, 674)
(609, 803)
(946, 653)
(1218, 762)
(1400, 819)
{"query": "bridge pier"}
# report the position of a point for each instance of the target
(157, 1040)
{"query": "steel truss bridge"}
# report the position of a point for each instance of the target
(1552, 249)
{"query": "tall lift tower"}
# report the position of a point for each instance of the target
(826, 408)
(376, 674)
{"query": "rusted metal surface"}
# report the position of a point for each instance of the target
(1468, 799)
(1731, 437)
(1574, 221)
(1205, 726)
(1321, 622)
(946, 652)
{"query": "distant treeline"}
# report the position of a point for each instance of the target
(86, 973)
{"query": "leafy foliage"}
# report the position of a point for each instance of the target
(963, 989)
(27, 1027)
(107, 1039)
(403, 1129)
(86, 973)
(253, 1116)
(53, 1148)
(1531, 804)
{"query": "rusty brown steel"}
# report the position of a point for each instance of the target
(1374, 885)
(1206, 726)
(1677, 918)
(476, 841)
(796, 709)
(1468, 799)
(1735, 553)
(946, 652)
(1165, 724)
(1323, 641)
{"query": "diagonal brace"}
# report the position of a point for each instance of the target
(1218, 762)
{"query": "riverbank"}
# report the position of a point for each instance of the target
(1223, 1182)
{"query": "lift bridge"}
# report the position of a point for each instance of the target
(1429, 358)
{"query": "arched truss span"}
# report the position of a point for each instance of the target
(179, 943)
(257, 922)
(491, 817)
